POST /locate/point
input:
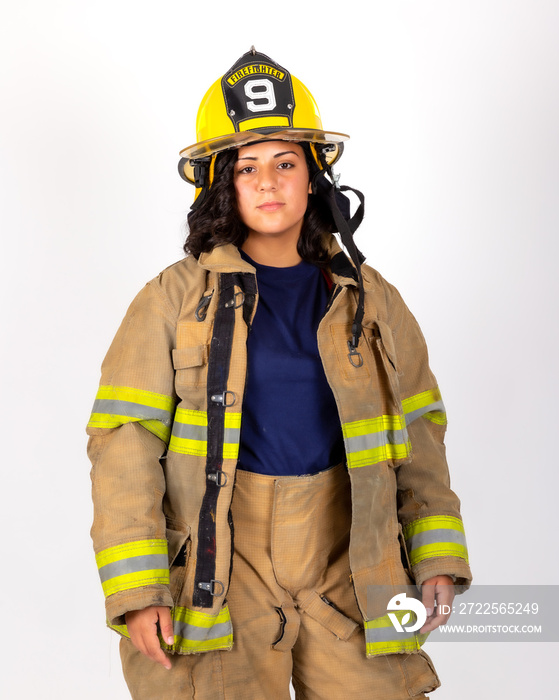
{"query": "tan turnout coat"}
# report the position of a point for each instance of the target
(164, 440)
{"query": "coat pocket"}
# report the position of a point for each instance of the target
(190, 357)
(381, 341)
(178, 541)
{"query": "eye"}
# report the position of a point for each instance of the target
(286, 165)
(246, 170)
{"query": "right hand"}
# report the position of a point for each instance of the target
(142, 626)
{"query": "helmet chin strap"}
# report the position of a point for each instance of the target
(203, 175)
(329, 190)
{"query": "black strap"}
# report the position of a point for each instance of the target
(218, 374)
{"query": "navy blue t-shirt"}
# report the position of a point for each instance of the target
(290, 421)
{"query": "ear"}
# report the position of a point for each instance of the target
(310, 188)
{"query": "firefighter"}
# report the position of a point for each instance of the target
(267, 441)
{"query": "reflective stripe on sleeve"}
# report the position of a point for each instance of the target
(435, 536)
(190, 433)
(375, 440)
(381, 637)
(134, 564)
(116, 405)
(196, 631)
(428, 404)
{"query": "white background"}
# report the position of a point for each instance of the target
(453, 110)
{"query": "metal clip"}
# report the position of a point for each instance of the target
(354, 353)
(211, 587)
(222, 398)
(202, 308)
(220, 478)
(234, 301)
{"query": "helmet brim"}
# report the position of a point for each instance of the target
(242, 138)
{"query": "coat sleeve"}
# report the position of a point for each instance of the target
(129, 430)
(428, 509)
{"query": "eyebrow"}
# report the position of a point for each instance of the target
(277, 155)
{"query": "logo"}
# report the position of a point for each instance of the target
(401, 603)
(258, 69)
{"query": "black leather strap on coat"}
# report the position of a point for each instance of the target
(218, 373)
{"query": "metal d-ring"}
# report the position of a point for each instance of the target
(353, 353)
(234, 302)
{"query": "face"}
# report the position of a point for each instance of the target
(272, 188)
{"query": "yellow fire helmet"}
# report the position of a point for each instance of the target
(256, 100)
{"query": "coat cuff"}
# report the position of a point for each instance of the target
(136, 599)
(455, 567)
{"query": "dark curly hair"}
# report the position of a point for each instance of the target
(217, 220)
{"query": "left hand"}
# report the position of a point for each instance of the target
(441, 589)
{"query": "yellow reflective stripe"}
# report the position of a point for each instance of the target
(438, 417)
(195, 631)
(126, 393)
(433, 522)
(428, 404)
(435, 536)
(441, 549)
(373, 425)
(130, 549)
(375, 440)
(136, 580)
(190, 432)
(116, 405)
(163, 432)
(99, 420)
(421, 400)
(378, 454)
(133, 564)
(383, 638)
(121, 629)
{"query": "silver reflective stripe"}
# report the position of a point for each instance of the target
(114, 407)
(148, 562)
(374, 635)
(189, 431)
(370, 441)
(232, 435)
(199, 634)
(412, 415)
(437, 536)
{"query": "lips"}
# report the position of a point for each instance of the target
(270, 206)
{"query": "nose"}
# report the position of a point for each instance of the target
(267, 179)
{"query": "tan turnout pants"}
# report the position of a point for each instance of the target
(293, 609)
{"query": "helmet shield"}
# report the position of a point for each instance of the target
(258, 94)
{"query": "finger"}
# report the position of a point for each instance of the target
(445, 595)
(166, 626)
(428, 598)
(442, 612)
(156, 653)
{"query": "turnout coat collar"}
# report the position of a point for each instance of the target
(165, 432)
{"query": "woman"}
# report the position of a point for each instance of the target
(283, 538)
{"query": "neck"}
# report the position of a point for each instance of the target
(272, 252)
